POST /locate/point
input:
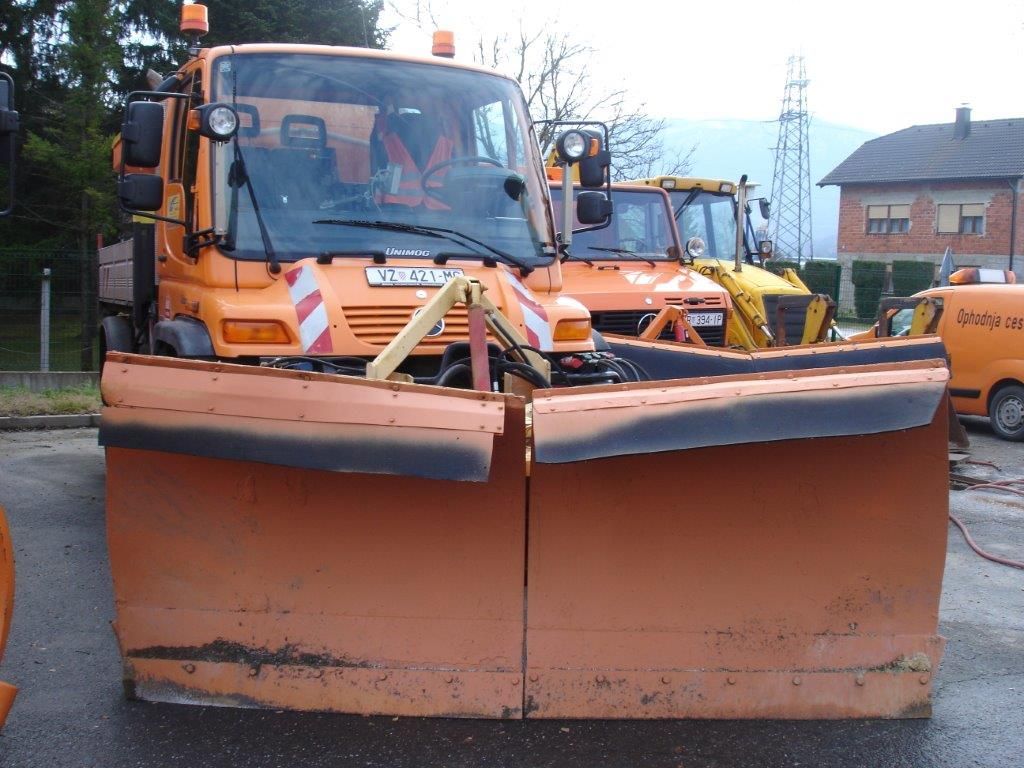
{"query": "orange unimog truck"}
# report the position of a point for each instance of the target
(8, 130)
(629, 269)
(309, 226)
(363, 471)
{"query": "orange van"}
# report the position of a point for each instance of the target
(982, 326)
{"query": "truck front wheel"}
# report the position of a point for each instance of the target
(1007, 412)
(115, 336)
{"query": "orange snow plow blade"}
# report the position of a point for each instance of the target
(7, 691)
(737, 548)
(763, 544)
(377, 568)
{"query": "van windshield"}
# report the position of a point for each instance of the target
(403, 145)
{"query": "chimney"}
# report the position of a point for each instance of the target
(962, 126)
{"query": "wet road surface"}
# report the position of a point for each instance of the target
(71, 710)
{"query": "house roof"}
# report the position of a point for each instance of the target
(992, 149)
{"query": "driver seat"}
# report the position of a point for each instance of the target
(408, 144)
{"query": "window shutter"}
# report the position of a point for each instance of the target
(948, 219)
(973, 210)
(899, 211)
(878, 211)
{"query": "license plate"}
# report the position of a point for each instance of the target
(705, 319)
(407, 276)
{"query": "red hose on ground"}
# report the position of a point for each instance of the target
(987, 555)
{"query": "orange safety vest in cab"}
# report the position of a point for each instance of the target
(400, 142)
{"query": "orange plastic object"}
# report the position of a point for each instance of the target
(7, 691)
(194, 19)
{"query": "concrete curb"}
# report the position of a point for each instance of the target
(49, 422)
(38, 381)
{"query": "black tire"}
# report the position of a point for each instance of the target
(1006, 412)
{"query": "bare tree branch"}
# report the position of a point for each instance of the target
(554, 74)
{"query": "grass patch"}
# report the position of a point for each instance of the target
(17, 401)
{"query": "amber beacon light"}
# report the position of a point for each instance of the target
(194, 20)
(444, 44)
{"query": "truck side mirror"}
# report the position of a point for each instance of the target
(141, 191)
(595, 165)
(142, 134)
(593, 208)
(765, 207)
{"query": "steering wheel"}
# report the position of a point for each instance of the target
(468, 160)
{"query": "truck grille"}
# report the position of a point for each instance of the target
(626, 322)
(379, 325)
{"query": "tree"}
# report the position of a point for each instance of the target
(556, 77)
(332, 22)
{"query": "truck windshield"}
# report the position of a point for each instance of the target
(332, 137)
(710, 217)
(640, 229)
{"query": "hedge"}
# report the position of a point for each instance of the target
(868, 281)
(822, 276)
(777, 266)
(909, 277)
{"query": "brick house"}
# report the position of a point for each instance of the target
(912, 193)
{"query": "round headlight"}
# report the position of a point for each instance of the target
(695, 248)
(572, 146)
(223, 121)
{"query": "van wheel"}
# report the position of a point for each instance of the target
(1007, 412)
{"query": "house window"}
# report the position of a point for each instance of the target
(967, 219)
(888, 219)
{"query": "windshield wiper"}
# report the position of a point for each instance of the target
(623, 252)
(453, 235)
(689, 199)
(238, 175)
(572, 256)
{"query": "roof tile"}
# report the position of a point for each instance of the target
(992, 149)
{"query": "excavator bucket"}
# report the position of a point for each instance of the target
(739, 547)
(7, 691)
(305, 541)
(740, 541)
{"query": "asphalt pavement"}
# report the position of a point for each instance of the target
(72, 712)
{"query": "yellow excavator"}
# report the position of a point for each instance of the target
(364, 455)
(715, 227)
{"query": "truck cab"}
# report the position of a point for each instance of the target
(707, 215)
(627, 271)
(308, 201)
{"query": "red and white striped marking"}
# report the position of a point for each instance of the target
(314, 329)
(538, 329)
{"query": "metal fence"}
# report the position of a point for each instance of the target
(65, 281)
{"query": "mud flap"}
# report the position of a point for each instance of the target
(739, 547)
(7, 691)
(301, 541)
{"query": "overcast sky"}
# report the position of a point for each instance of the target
(880, 66)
